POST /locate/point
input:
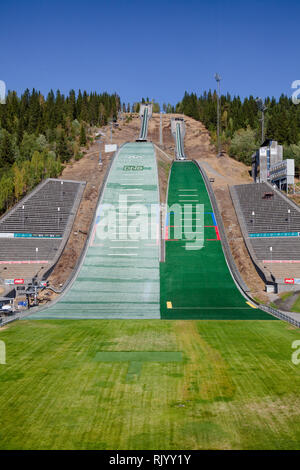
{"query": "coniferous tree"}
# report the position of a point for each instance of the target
(82, 140)
(37, 132)
(6, 150)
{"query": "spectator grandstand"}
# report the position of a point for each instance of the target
(34, 232)
(270, 224)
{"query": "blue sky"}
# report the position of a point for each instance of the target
(157, 49)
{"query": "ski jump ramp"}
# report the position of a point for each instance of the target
(145, 115)
(119, 275)
(178, 132)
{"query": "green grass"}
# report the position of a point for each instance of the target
(235, 386)
(285, 295)
(296, 306)
(165, 165)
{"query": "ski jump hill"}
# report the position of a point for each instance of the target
(121, 277)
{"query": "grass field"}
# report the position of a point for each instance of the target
(215, 385)
(296, 306)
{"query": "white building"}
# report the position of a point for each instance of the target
(268, 166)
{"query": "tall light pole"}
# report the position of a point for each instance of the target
(262, 108)
(111, 126)
(100, 156)
(218, 79)
(160, 131)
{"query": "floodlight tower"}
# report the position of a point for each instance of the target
(262, 108)
(160, 130)
(98, 139)
(218, 79)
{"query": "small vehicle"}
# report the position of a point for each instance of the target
(7, 308)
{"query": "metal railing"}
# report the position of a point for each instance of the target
(279, 314)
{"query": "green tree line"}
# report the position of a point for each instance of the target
(38, 135)
(240, 122)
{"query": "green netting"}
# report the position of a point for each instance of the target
(198, 282)
(119, 278)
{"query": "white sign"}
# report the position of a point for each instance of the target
(7, 235)
(2, 92)
(263, 152)
(110, 148)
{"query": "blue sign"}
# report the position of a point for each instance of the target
(274, 234)
(35, 235)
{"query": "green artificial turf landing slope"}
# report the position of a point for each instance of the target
(197, 284)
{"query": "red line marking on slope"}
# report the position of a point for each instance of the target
(166, 234)
(93, 235)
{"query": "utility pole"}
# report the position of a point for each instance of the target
(262, 108)
(218, 79)
(160, 131)
(100, 156)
